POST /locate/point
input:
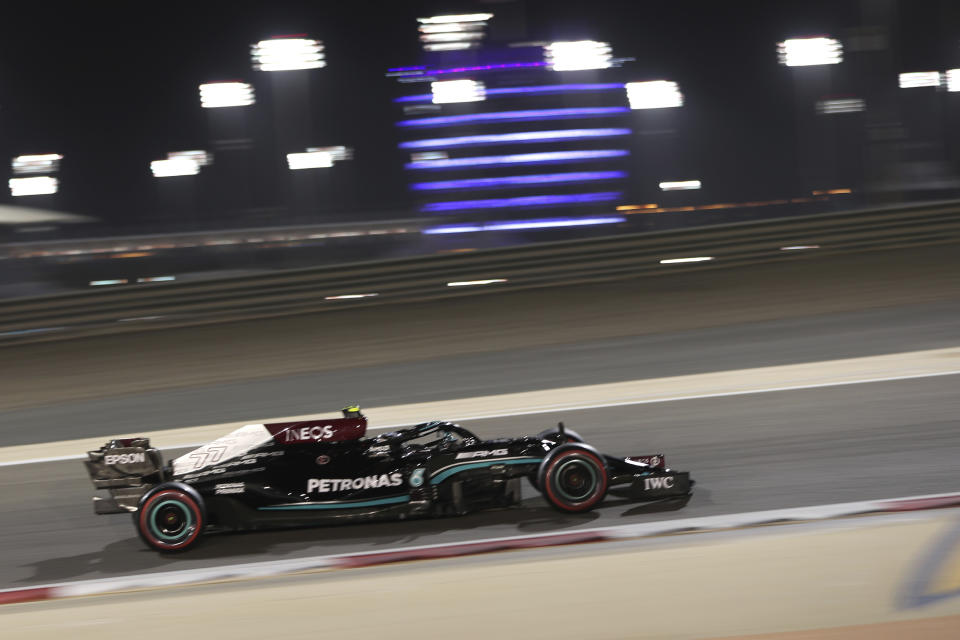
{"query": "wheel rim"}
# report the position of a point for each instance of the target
(171, 521)
(576, 479)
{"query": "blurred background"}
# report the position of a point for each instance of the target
(252, 136)
(726, 232)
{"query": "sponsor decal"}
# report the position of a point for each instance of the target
(202, 475)
(248, 459)
(656, 460)
(125, 458)
(481, 454)
(323, 459)
(305, 434)
(327, 485)
(314, 431)
(379, 450)
(229, 488)
(666, 482)
(416, 478)
(209, 454)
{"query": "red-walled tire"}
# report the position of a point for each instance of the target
(573, 478)
(170, 517)
(551, 434)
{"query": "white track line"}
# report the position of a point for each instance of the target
(573, 407)
(699, 396)
(298, 565)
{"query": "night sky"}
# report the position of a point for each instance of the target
(112, 88)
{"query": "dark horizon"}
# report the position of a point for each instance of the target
(111, 93)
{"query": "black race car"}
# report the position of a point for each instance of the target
(326, 471)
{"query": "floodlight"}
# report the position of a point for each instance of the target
(573, 177)
(423, 72)
(510, 225)
(288, 54)
(226, 94)
(454, 36)
(920, 79)
(656, 94)
(351, 296)
(36, 186)
(337, 153)
(310, 160)
(429, 155)
(841, 105)
(449, 91)
(452, 27)
(202, 158)
(680, 185)
(450, 33)
(473, 283)
(523, 201)
(525, 115)
(541, 157)
(685, 260)
(577, 56)
(803, 52)
(545, 88)
(103, 283)
(42, 163)
(953, 79)
(469, 17)
(449, 46)
(172, 167)
(513, 138)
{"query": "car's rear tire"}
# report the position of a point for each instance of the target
(170, 517)
(573, 478)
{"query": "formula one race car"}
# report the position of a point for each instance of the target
(325, 471)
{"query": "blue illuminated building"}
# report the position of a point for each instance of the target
(517, 143)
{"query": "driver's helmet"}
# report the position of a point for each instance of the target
(352, 411)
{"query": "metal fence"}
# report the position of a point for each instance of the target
(325, 288)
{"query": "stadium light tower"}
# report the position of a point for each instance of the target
(293, 115)
(810, 60)
(288, 54)
(806, 52)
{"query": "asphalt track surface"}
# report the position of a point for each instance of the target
(752, 452)
(742, 346)
(749, 452)
(503, 339)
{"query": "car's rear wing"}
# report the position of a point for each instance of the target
(126, 468)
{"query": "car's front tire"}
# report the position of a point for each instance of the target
(170, 517)
(554, 434)
(573, 478)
